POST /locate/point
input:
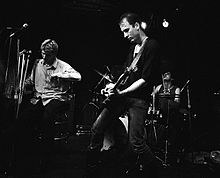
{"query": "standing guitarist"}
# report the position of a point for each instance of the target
(130, 93)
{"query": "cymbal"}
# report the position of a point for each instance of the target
(168, 95)
(105, 76)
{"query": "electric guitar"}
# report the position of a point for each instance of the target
(122, 78)
(113, 87)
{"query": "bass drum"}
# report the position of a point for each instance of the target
(116, 133)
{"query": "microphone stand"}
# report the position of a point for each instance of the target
(23, 62)
(190, 121)
(189, 115)
(153, 115)
(186, 84)
(7, 90)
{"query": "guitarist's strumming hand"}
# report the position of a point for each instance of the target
(110, 90)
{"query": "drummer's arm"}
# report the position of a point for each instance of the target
(177, 95)
(176, 102)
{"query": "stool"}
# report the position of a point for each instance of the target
(63, 122)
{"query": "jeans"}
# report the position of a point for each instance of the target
(137, 113)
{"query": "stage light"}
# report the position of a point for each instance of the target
(165, 23)
(143, 25)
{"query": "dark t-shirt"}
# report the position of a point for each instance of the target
(147, 68)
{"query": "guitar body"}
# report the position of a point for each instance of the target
(113, 87)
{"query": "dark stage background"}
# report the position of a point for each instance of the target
(89, 38)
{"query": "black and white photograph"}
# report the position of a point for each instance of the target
(109, 89)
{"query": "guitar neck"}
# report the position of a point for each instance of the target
(121, 78)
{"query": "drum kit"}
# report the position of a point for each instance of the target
(158, 127)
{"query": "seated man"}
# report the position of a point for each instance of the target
(50, 78)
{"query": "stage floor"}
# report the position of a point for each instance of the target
(69, 161)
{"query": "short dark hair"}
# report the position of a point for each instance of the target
(49, 46)
(132, 18)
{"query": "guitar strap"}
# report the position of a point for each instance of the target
(137, 57)
(132, 67)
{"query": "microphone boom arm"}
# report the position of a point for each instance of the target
(184, 86)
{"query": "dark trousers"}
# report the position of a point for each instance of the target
(35, 122)
(20, 143)
(137, 112)
(39, 119)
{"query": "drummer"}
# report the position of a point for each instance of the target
(168, 91)
(168, 103)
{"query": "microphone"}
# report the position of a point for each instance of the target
(24, 26)
(185, 85)
(187, 82)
